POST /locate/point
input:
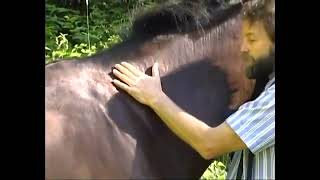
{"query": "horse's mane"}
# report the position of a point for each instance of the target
(184, 17)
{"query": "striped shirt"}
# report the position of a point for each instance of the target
(254, 123)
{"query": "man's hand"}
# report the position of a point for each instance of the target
(145, 89)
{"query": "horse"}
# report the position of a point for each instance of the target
(95, 131)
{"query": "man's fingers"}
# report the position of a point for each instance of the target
(133, 69)
(121, 85)
(125, 71)
(155, 70)
(123, 77)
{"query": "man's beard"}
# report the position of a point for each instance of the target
(260, 68)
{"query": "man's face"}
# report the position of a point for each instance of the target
(256, 44)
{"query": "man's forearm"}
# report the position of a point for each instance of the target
(208, 141)
(188, 128)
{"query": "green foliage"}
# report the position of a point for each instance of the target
(216, 170)
(67, 32)
(109, 23)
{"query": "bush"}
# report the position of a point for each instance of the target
(67, 31)
(217, 169)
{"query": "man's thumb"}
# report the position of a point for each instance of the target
(155, 70)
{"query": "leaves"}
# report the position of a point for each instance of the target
(216, 170)
(66, 29)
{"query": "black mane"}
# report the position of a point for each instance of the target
(174, 18)
(183, 17)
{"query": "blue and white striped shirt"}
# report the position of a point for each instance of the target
(254, 123)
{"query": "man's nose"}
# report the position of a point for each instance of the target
(244, 47)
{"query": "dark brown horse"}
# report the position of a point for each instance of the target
(95, 131)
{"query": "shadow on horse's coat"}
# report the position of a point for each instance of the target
(95, 131)
(165, 152)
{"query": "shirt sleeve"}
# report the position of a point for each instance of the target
(254, 121)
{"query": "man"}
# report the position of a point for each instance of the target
(251, 128)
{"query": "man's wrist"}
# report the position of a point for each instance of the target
(157, 101)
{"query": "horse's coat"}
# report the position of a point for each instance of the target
(95, 131)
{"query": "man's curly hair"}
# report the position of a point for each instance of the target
(264, 11)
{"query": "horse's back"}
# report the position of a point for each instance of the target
(82, 141)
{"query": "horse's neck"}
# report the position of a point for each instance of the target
(175, 54)
(221, 50)
(178, 60)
